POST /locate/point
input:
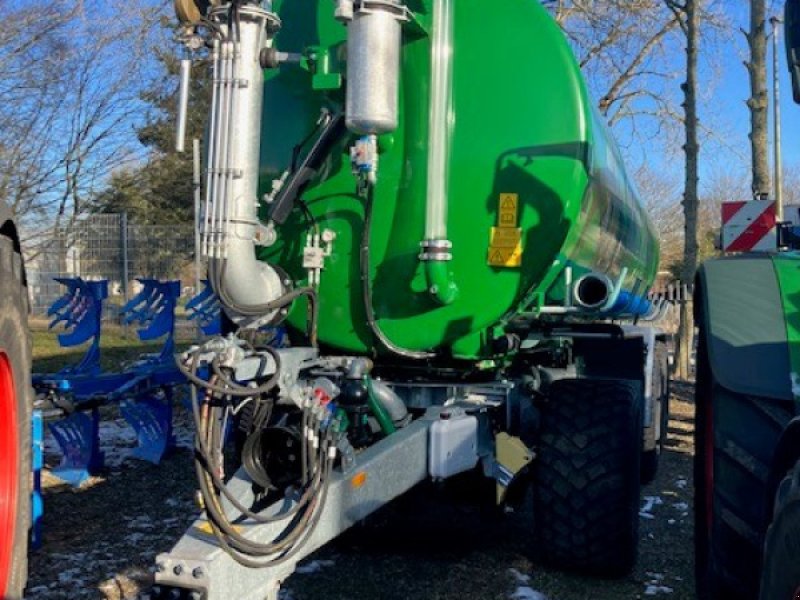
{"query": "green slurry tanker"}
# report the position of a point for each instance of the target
(423, 195)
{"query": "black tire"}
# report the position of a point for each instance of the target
(661, 389)
(15, 347)
(780, 575)
(586, 495)
(735, 439)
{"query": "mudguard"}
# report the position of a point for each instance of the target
(739, 305)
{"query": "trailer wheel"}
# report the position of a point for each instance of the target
(15, 425)
(780, 577)
(586, 497)
(661, 389)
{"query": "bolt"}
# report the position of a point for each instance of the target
(160, 567)
(197, 573)
(196, 595)
(178, 569)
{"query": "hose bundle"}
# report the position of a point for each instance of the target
(318, 447)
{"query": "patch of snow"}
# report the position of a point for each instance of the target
(73, 557)
(654, 590)
(655, 586)
(650, 502)
(117, 439)
(315, 566)
(39, 589)
(135, 538)
(524, 592)
(520, 576)
(70, 576)
(795, 379)
(681, 484)
(681, 506)
(140, 522)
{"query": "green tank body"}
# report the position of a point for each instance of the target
(533, 180)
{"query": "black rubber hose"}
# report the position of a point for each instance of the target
(367, 291)
(202, 453)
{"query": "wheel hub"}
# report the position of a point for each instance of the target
(9, 470)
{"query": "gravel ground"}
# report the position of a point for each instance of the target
(100, 540)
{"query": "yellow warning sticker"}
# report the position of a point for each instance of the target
(509, 204)
(505, 243)
(505, 257)
(505, 237)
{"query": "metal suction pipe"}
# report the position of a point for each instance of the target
(437, 250)
(231, 221)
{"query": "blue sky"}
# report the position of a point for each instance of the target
(733, 90)
(725, 86)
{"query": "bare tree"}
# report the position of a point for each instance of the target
(623, 49)
(688, 13)
(758, 103)
(662, 199)
(73, 73)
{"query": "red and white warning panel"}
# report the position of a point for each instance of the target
(749, 226)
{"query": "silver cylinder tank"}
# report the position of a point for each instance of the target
(373, 67)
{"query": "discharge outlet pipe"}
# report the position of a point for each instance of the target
(437, 250)
(593, 291)
(250, 289)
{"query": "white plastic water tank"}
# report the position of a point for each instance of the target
(453, 444)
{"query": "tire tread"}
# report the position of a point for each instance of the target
(587, 488)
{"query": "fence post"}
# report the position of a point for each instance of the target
(123, 236)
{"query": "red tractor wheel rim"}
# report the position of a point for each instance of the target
(9, 470)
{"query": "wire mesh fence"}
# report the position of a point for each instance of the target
(676, 296)
(114, 248)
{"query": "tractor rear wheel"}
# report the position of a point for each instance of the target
(780, 576)
(735, 437)
(15, 424)
(587, 487)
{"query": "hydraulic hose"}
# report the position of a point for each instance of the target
(367, 289)
(259, 310)
(301, 518)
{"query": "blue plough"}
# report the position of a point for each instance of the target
(205, 310)
(71, 398)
